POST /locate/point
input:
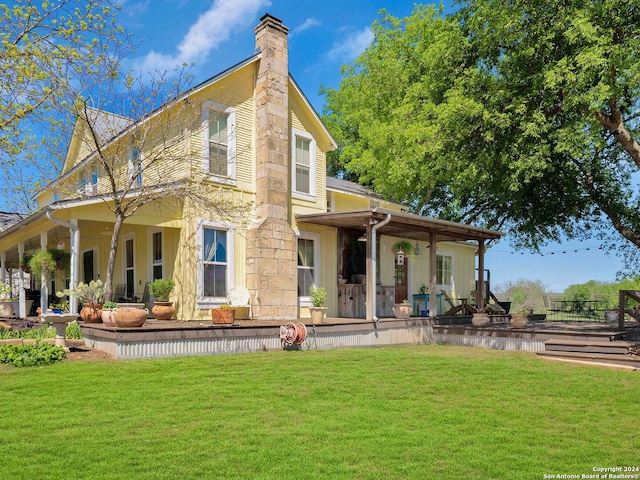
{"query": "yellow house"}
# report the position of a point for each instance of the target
(247, 136)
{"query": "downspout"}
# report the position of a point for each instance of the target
(75, 245)
(374, 262)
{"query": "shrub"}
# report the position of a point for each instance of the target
(73, 331)
(27, 355)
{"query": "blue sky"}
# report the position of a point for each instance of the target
(323, 35)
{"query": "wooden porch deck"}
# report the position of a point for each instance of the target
(170, 338)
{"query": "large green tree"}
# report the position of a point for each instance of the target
(52, 52)
(519, 115)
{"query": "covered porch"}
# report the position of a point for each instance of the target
(376, 222)
(82, 235)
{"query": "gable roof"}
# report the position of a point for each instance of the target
(346, 186)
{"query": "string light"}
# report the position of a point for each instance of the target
(554, 252)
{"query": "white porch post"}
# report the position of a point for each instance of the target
(433, 297)
(481, 292)
(44, 289)
(22, 297)
(3, 267)
(75, 248)
(370, 298)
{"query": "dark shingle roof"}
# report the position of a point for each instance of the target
(7, 219)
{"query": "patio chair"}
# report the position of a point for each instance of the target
(552, 306)
(120, 293)
(464, 307)
(240, 297)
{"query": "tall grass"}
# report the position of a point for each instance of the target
(410, 412)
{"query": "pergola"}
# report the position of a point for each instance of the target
(383, 221)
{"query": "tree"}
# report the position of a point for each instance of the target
(49, 53)
(144, 155)
(520, 116)
(523, 294)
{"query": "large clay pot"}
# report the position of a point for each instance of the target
(127, 317)
(317, 314)
(91, 313)
(222, 316)
(518, 321)
(402, 310)
(480, 319)
(107, 317)
(163, 310)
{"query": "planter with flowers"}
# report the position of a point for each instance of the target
(223, 315)
(91, 296)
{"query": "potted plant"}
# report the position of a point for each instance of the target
(402, 310)
(224, 314)
(91, 296)
(62, 307)
(318, 297)
(108, 310)
(519, 319)
(424, 289)
(162, 307)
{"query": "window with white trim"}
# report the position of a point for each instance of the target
(135, 167)
(219, 140)
(303, 149)
(308, 265)
(444, 269)
(215, 263)
(89, 180)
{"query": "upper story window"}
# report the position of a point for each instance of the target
(219, 141)
(444, 269)
(135, 167)
(303, 149)
(89, 180)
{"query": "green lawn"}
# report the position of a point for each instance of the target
(403, 412)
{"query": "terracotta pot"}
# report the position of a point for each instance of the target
(91, 313)
(518, 321)
(480, 319)
(107, 317)
(223, 316)
(163, 310)
(127, 317)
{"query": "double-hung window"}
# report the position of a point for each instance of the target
(303, 149)
(444, 269)
(89, 180)
(219, 141)
(215, 267)
(136, 167)
(308, 264)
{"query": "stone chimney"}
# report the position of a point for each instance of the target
(272, 245)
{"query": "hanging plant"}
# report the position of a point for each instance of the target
(42, 261)
(405, 246)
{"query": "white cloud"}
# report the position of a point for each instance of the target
(308, 23)
(350, 47)
(210, 30)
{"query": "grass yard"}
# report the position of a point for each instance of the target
(375, 413)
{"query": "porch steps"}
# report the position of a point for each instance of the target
(594, 352)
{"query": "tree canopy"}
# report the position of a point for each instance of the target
(516, 115)
(51, 53)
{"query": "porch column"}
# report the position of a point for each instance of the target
(75, 248)
(3, 267)
(480, 298)
(370, 297)
(432, 276)
(22, 297)
(44, 289)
